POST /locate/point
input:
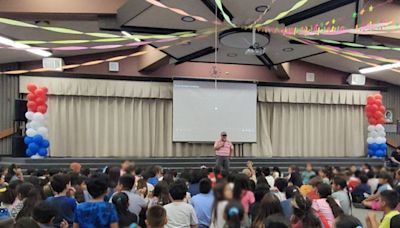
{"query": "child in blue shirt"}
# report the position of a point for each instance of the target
(96, 213)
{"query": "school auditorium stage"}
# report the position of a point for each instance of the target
(237, 163)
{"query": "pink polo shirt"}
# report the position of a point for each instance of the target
(225, 150)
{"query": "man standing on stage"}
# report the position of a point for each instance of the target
(223, 150)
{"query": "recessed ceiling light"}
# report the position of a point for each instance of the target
(188, 19)
(262, 8)
(231, 54)
(287, 49)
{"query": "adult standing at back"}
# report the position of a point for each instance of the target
(223, 150)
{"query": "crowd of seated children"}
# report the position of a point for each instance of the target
(128, 196)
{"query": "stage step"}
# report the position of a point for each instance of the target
(181, 163)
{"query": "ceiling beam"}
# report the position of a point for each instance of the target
(265, 60)
(152, 60)
(211, 6)
(282, 71)
(314, 11)
(195, 55)
(63, 9)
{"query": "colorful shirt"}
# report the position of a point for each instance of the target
(247, 200)
(95, 215)
(225, 150)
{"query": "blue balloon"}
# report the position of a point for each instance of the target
(37, 139)
(28, 140)
(42, 152)
(45, 143)
(33, 147)
(373, 146)
(29, 153)
(383, 146)
(380, 153)
(371, 153)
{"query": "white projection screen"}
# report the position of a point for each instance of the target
(202, 109)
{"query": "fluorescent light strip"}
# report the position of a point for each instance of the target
(12, 43)
(127, 34)
(379, 68)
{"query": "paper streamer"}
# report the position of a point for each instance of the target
(106, 36)
(281, 15)
(226, 17)
(354, 45)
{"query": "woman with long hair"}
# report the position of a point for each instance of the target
(242, 193)
(121, 202)
(160, 194)
(222, 194)
(29, 195)
(302, 213)
(270, 205)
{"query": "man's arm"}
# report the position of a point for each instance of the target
(394, 160)
(218, 144)
(231, 150)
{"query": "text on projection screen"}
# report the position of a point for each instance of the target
(202, 109)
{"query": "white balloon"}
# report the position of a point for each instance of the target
(379, 127)
(29, 115)
(371, 140)
(46, 116)
(371, 128)
(28, 125)
(374, 134)
(38, 116)
(31, 132)
(380, 140)
(35, 125)
(43, 131)
(382, 134)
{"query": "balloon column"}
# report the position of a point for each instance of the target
(36, 137)
(376, 132)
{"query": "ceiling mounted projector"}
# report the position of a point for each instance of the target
(254, 42)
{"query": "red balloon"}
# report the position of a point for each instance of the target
(42, 109)
(31, 87)
(370, 99)
(378, 102)
(381, 120)
(382, 109)
(372, 121)
(32, 106)
(31, 97)
(378, 96)
(45, 89)
(374, 107)
(39, 92)
(40, 101)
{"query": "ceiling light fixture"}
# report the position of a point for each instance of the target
(12, 43)
(262, 8)
(231, 55)
(188, 19)
(289, 49)
(379, 68)
(127, 34)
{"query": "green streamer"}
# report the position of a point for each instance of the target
(226, 17)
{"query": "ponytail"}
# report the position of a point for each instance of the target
(302, 210)
(336, 210)
(33, 197)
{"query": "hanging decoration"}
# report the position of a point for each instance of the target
(376, 132)
(36, 138)
(226, 17)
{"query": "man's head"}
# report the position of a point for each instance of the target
(126, 182)
(224, 136)
(398, 149)
(389, 200)
(125, 164)
(60, 183)
(178, 190)
(44, 213)
(205, 186)
(309, 167)
(156, 217)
